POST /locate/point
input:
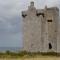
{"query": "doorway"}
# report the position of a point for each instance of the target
(50, 46)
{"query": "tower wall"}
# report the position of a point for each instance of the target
(40, 29)
(51, 29)
(32, 32)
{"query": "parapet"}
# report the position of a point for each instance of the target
(38, 12)
(53, 8)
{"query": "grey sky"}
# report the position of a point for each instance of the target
(11, 20)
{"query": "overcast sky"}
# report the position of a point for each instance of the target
(11, 20)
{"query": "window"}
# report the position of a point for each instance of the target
(24, 15)
(49, 20)
(50, 46)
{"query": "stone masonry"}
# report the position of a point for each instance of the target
(40, 29)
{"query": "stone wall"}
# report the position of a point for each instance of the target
(40, 29)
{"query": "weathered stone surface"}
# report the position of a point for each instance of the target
(40, 29)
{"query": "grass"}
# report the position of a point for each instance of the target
(24, 54)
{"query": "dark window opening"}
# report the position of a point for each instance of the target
(38, 14)
(49, 20)
(50, 46)
(24, 15)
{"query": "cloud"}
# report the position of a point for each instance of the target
(11, 20)
(10, 23)
(51, 3)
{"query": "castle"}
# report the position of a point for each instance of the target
(40, 29)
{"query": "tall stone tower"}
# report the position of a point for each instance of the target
(40, 28)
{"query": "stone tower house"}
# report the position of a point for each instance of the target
(40, 29)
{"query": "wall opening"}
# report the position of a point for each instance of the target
(49, 20)
(24, 15)
(50, 46)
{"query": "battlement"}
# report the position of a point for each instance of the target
(32, 3)
(53, 8)
(32, 9)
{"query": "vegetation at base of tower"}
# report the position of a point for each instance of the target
(26, 54)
